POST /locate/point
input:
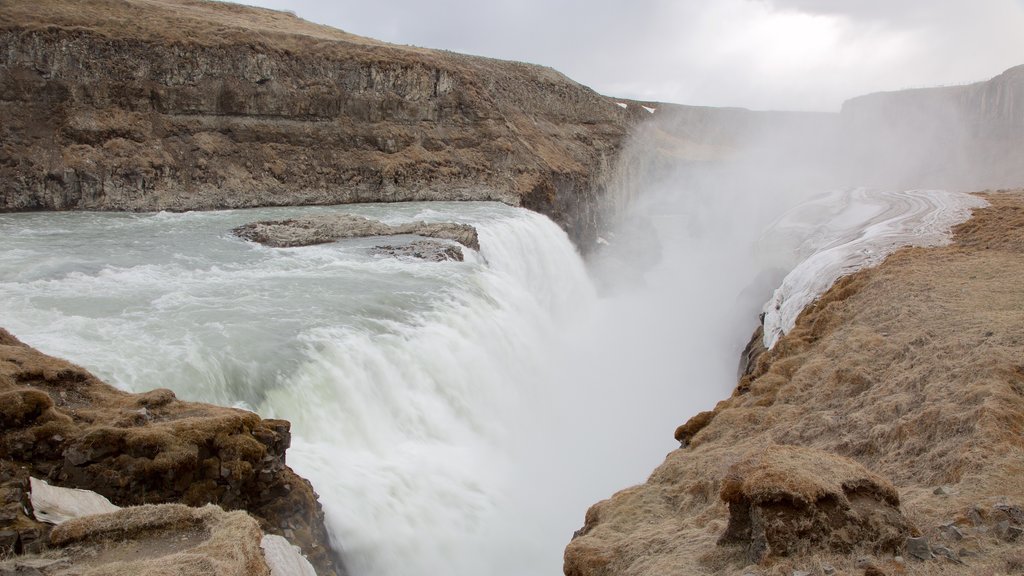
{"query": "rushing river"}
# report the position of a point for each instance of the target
(456, 418)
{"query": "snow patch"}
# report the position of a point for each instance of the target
(55, 505)
(649, 109)
(845, 231)
(622, 105)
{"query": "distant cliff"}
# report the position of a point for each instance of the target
(968, 136)
(187, 104)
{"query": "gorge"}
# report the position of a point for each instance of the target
(459, 416)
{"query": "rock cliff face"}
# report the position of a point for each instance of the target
(61, 424)
(185, 104)
(969, 136)
(887, 422)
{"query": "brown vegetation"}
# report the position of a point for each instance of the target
(166, 539)
(60, 423)
(911, 369)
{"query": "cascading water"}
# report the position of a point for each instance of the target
(406, 381)
(455, 418)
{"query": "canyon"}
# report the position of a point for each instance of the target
(888, 414)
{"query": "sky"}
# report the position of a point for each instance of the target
(759, 54)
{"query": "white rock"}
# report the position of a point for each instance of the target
(54, 505)
(284, 558)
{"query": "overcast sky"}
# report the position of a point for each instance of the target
(761, 54)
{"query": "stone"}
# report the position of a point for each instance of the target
(828, 570)
(321, 229)
(429, 250)
(918, 548)
(800, 573)
(943, 491)
(284, 558)
(952, 532)
(946, 553)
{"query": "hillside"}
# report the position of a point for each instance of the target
(891, 412)
(187, 104)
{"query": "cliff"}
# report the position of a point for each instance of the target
(189, 104)
(882, 435)
(61, 424)
(967, 136)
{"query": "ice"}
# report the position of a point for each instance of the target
(844, 231)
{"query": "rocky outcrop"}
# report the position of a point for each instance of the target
(199, 105)
(901, 386)
(61, 424)
(312, 230)
(789, 500)
(429, 250)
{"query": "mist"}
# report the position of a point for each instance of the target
(707, 212)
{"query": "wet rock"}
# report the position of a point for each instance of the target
(787, 500)
(975, 516)
(8, 542)
(429, 250)
(918, 548)
(1013, 512)
(326, 228)
(946, 553)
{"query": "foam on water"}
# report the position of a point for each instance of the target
(404, 380)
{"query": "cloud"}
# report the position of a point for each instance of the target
(762, 54)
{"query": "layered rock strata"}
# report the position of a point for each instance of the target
(61, 424)
(198, 105)
(903, 380)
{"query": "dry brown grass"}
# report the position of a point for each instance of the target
(168, 539)
(186, 21)
(914, 369)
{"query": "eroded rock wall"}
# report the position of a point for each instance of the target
(104, 109)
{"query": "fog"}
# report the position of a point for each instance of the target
(695, 248)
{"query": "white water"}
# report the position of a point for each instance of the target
(455, 418)
(407, 382)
